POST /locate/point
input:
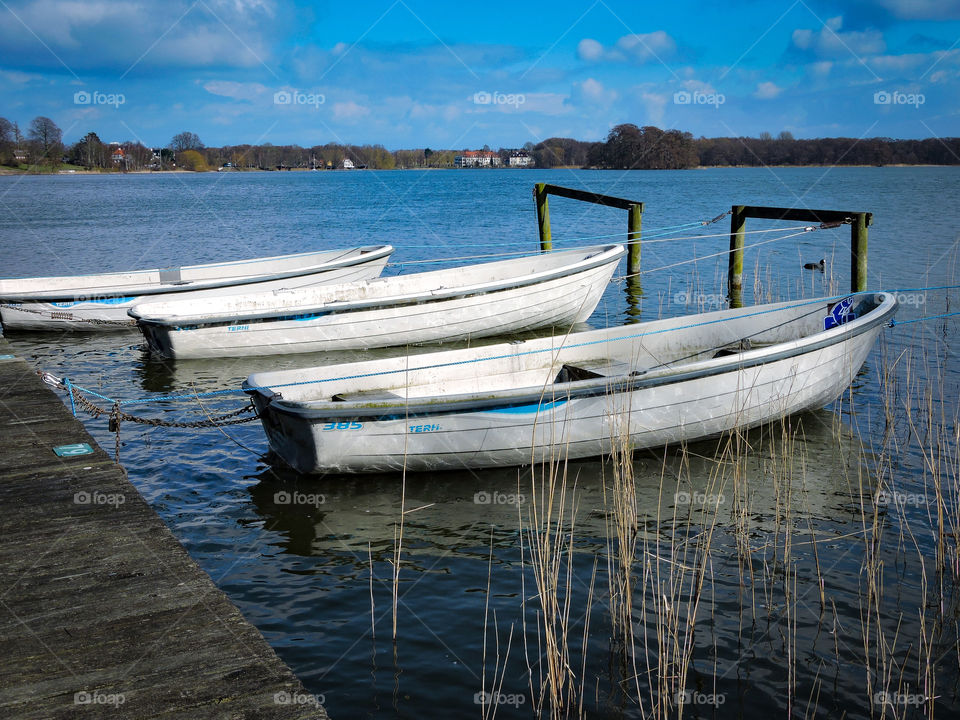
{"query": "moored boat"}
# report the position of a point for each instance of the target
(100, 302)
(574, 395)
(555, 289)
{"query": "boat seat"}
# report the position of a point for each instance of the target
(590, 369)
(367, 396)
(170, 276)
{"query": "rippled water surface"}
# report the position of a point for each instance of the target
(780, 623)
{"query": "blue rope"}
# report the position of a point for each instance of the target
(232, 391)
(73, 407)
(937, 287)
(573, 345)
(894, 323)
(655, 232)
(162, 398)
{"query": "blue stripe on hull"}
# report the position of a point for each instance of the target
(526, 409)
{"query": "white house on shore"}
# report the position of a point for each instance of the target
(477, 158)
(519, 158)
(348, 164)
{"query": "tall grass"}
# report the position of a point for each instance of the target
(901, 488)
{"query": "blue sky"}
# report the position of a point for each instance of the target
(456, 75)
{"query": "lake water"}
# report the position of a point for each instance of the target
(784, 620)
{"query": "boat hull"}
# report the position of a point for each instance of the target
(99, 309)
(666, 410)
(558, 302)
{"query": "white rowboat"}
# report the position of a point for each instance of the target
(100, 302)
(655, 383)
(555, 289)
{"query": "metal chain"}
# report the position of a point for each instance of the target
(55, 315)
(117, 415)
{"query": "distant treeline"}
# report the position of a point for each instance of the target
(650, 148)
(627, 146)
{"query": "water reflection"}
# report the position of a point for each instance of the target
(806, 467)
(634, 293)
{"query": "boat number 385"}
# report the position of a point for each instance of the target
(343, 425)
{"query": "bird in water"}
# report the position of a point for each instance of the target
(821, 266)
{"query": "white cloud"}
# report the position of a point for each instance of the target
(592, 92)
(642, 48)
(19, 78)
(205, 47)
(830, 42)
(236, 90)
(349, 110)
(130, 33)
(922, 9)
(822, 68)
(901, 63)
(699, 86)
(243, 7)
(590, 50)
(767, 90)
(638, 48)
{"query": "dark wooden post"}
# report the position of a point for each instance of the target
(738, 221)
(858, 252)
(634, 223)
(543, 217)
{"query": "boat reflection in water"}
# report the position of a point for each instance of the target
(341, 514)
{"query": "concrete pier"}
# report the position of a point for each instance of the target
(102, 611)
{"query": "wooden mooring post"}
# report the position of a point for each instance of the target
(634, 218)
(543, 217)
(858, 221)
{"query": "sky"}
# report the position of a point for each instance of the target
(459, 75)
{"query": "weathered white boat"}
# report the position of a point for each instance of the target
(100, 302)
(510, 404)
(553, 289)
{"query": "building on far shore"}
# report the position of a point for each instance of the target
(348, 164)
(117, 155)
(477, 158)
(519, 158)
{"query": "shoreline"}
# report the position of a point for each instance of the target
(11, 172)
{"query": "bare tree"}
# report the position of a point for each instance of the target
(6, 141)
(47, 138)
(186, 141)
